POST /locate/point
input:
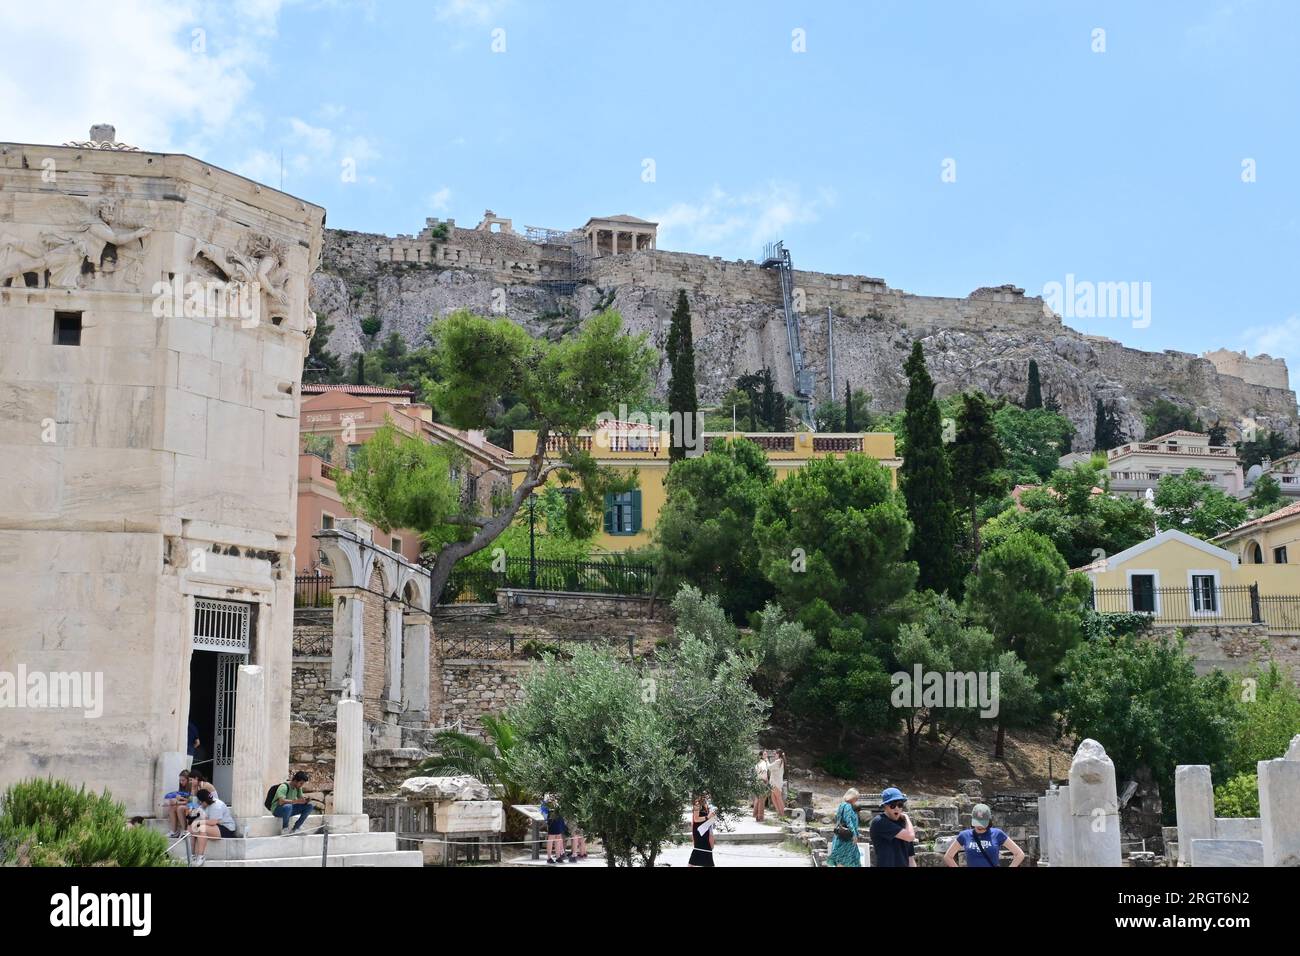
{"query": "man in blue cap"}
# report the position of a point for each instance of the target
(892, 835)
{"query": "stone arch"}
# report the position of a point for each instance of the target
(345, 558)
(1253, 552)
(414, 587)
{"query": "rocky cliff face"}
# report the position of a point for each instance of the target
(984, 341)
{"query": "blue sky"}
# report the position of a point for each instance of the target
(1117, 166)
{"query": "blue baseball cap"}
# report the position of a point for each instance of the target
(891, 794)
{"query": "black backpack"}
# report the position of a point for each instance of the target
(269, 803)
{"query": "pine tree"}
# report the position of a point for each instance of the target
(1034, 395)
(976, 460)
(682, 399)
(850, 424)
(927, 482)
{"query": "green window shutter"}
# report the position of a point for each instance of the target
(609, 514)
(636, 511)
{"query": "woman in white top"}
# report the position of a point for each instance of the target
(761, 771)
(776, 777)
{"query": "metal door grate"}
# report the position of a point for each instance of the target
(221, 626)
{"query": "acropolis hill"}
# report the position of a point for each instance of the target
(549, 280)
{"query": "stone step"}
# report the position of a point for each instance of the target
(263, 848)
(385, 858)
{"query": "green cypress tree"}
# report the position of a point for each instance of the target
(976, 460)
(1034, 395)
(769, 401)
(361, 368)
(682, 397)
(927, 482)
(850, 424)
(1107, 433)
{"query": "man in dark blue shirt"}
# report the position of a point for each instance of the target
(892, 834)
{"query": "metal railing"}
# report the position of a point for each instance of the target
(312, 590)
(1173, 606)
(505, 648)
(608, 576)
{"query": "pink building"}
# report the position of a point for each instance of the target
(336, 420)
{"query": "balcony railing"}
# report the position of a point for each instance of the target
(827, 444)
(1162, 448)
(767, 442)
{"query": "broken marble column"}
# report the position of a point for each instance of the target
(347, 661)
(1056, 828)
(415, 667)
(348, 757)
(1094, 807)
(1044, 844)
(248, 788)
(1194, 805)
(1279, 807)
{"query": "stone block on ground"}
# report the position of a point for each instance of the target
(446, 788)
(470, 816)
(1227, 853)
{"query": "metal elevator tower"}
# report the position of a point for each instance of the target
(777, 256)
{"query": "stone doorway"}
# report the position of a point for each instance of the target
(221, 641)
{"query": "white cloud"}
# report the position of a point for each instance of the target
(169, 75)
(317, 139)
(739, 224)
(1280, 340)
(471, 12)
(439, 201)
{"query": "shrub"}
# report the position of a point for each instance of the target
(838, 765)
(49, 823)
(1239, 797)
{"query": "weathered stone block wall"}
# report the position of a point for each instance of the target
(1241, 647)
(170, 439)
(472, 688)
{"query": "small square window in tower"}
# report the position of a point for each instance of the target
(67, 328)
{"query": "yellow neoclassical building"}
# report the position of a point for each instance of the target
(1250, 574)
(630, 518)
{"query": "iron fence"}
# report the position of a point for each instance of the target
(531, 647)
(312, 590)
(606, 576)
(1207, 604)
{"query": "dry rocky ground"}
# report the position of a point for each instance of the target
(881, 761)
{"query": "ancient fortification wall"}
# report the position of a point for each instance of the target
(983, 340)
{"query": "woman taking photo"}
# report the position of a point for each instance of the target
(703, 820)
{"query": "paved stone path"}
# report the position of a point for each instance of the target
(744, 842)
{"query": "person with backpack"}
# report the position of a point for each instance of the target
(893, 837)
(287, 801)
(983, 843)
